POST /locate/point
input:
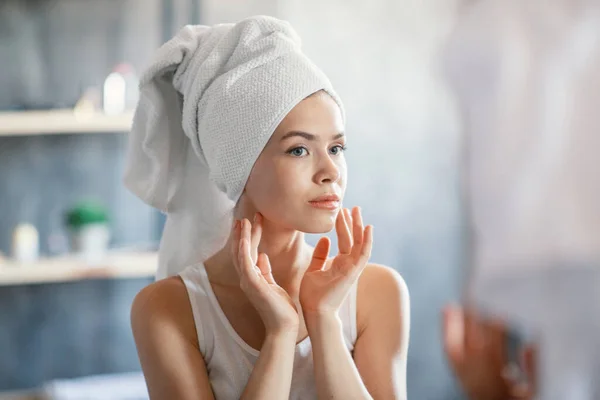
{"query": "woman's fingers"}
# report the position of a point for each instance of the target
(357, 228)
(359, 250)
(365, 251)
(530, 364)
(320, 254)
(344, 233)
(348, 219)
(255, 235)
(249, 273)
(525, 389)
(235, 245)
(453, 328)
(474, 335)
(348, 216)
(353, 239)
(265, 268)
(244, 259)
(242, 229)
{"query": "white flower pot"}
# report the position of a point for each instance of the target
(91, 242)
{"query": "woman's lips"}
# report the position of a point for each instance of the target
(326, 205)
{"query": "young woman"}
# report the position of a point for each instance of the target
(265, 316)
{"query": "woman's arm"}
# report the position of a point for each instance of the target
(167, 343)
(271, 377)
(381, 349)
(336, 375)
(379, 367)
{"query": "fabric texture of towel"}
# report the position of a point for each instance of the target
(209, 102)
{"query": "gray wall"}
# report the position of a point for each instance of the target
(50, 51)
(65, 330)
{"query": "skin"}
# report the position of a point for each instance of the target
(295, 289)
(475, 348)
(275, 289)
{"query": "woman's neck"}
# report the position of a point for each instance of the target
(288, 253)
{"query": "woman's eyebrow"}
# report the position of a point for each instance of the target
(307, 136)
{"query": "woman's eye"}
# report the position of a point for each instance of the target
(297, 151)
(340, 149)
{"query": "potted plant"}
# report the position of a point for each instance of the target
(89, 230)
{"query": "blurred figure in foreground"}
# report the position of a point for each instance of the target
(478, 355)
(527, 78)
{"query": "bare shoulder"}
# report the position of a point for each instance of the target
(161, 295)
(163, 306)
(381, 289)
(165, 337)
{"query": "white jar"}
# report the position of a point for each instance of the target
(91, 242)
(25, 243)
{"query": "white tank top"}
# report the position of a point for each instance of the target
(229, 360)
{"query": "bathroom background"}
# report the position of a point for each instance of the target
(402, 153)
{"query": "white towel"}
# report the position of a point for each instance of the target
(209, 102)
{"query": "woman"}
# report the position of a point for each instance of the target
(257, 313)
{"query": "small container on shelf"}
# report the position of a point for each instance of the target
(120, 90)
(89, 230)
(25, 243)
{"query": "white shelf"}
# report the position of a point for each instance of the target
(62, 121)
(118, 265)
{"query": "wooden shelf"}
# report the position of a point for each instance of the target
(61, 122)
(117, 265)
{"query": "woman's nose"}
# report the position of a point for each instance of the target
(329, 170)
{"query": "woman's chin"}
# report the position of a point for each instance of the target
(318, 227)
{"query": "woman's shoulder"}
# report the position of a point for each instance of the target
(164, 293)
(163, 306)
(380, 288)
(381, 277)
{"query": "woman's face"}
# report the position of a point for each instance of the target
(303, 160)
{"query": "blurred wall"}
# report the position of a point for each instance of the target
(50, 51)
(66, 330)
(402, 145)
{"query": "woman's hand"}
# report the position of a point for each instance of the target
(273, 304)
(322, 291)
(476, 351)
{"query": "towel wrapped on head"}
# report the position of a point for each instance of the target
(209, 102)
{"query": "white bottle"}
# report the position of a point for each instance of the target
(25, 244)
(121, 91)
(114, 94)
